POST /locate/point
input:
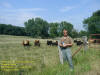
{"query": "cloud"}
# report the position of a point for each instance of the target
(18, 16)
(66, 9)
(6, 5)
(17, 19)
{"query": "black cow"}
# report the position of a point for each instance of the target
(79, 43)
(75, 41)
(49, 42)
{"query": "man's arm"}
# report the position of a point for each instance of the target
(60, 43)
(70, 44)
(67, 45)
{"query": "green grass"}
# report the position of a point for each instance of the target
(44, 60)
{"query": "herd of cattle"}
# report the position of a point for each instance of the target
(48, 42)
(37, 43)
(78, 42)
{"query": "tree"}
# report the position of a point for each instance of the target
(37, 27)
(29, 25)
(2, 28)
(53, 30)
(92, 24)
(65, 25)
(83, 33)
(42, 27)
(12, 30)
(74, 33)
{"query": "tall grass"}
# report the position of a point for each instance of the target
(43, 60)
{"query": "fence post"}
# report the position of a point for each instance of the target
(84, 38)
(60, 53)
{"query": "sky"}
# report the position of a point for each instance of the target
(16, 12)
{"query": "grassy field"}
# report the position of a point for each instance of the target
(43, 60)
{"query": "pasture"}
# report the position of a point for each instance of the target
(43, 60)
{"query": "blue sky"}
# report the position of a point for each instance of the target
(16, 12)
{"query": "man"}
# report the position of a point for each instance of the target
(65, 45)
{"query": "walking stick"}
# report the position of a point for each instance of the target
(60, 54)
(77, 51)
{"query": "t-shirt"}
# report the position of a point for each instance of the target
(66, 40)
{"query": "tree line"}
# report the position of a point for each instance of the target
(92, 23)
(37, 27)
(9, 29)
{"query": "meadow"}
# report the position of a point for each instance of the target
(44, 60)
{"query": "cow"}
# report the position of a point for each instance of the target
(49, 42)
(98, 41)
(26, 43)
(75, 41)
(37, 43)
(55, 43)
(91, 41)
(79, 43)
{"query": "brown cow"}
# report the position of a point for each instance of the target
(37, 43)
(26, 43)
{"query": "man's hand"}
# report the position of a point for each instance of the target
(68, 45)
(60, 45)
(65, 45)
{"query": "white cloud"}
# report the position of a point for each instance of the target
(18, 16)
(6, 5)
(67, 8)
(17, 19)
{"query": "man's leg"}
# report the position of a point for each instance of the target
(64, 54)
(69, 57)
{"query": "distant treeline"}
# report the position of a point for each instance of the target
(12, 30)
(37, 27)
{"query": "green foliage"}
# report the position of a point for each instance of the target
(39, 27)
(53, 29)
(83, 33)
(74, 33)
(12, 30)
(67, 26)
(36, 27)
(92, 24)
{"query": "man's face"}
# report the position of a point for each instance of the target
(65, 32)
